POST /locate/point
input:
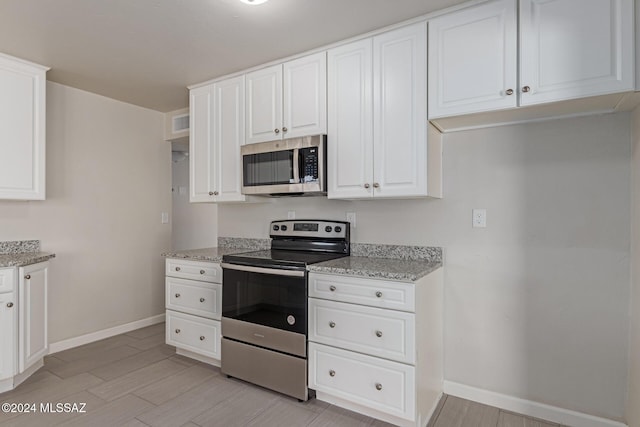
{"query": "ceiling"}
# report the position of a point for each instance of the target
(146, 52)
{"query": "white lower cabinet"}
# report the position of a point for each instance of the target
(375, 346)
(193, 300)
(23, 322)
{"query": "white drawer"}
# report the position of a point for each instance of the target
(201, 336)
(189, 296)
(7, 277)
(383, 333)
(195, 270)
(375, 383)
(365, 291)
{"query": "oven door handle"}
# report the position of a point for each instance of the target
(274, 271)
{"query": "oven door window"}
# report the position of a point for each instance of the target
(274, 168)
(265, 299)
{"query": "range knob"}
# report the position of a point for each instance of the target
(276, 227)
(338, 229)
(328, 229)
(283, 228)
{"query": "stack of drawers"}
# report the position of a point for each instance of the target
(194, 307)
(364, 353)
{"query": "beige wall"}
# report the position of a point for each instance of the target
(633, 400)
(108, 180)
(194, 224)
(536, 304)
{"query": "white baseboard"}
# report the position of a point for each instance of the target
(528, 407)
(105, 333)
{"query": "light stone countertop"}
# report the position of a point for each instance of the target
(205, 254)
(405, 270)
(27, 258)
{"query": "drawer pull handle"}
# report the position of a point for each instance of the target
(332, 324)
(332, 373)
(201, 271)
(332, 288)
(177, 331)
(177, 268)
(177, 295)
(9, 304)
(28, 277)
(379, 294)
(201, 299)
(379, 334)
(378, 386)
(201, 337)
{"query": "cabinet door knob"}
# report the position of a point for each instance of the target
(9, 304)
(332, 373)
(332, 324)
(211, 193)
(332, 288)
(526, 89)
(177, 295)
(201, 299)
(276, 130)
(284, 129)
(201, 337)
(177, 331)
(366, 185)
(378, 386)
(177, 268)
(376, 185)
(28, 277)
(201, 271)
(379, 334)
(379, 294)
(215, 193)
(509, 92)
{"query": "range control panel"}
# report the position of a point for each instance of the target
(310, 228)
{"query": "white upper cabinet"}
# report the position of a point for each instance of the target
(264, 104)
(350, 129)
(287, 100)
(217, 132)
(575, 48)
(473, 59)
(201, 159)
(568, 49)
(377, 138)
(22, 129)
(228, 137)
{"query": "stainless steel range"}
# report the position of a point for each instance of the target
(264, 304)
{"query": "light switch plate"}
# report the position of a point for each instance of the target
(291, 215)
(351, 218)
(165, 217)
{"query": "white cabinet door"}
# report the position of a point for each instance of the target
(227, 138)
(305, 96)
(575, 48)
(400, 112)
(22, 129)
(472, 59)
(264, 105)
(350, 127)
(33, 314)
(8, 313)
(200, 150)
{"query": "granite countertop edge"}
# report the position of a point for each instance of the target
(378, 268)
(24, 259)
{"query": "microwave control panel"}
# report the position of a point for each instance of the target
(310, 160)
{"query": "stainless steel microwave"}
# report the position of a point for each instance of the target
(289, 167)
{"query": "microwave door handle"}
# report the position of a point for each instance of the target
(296, 165)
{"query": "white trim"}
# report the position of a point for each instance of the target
(105, 333)
(528, 407)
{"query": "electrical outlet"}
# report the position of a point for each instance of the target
(479, 218)
(351, 218)
(291, 215)
(164, 217)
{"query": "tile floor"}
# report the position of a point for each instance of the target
(136, 380)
